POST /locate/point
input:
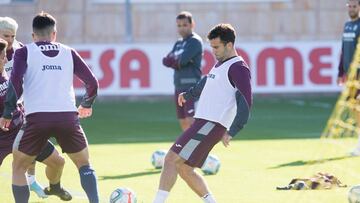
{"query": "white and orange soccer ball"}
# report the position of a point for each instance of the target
(157, 158)
(123, 195)
(354, 194)
(211, 165)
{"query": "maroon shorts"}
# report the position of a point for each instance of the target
(6, 143)
(188, 108)
(196, 142)
(7, 138)
(34, 134)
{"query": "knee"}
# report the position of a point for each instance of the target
(59, 161)
(17, 166)
(170, 159)
(55, 160)
(21, 162)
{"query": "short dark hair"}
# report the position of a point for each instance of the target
(225, 32)
(185, 15)
(3, 45)
(355, 0)
(42, 22)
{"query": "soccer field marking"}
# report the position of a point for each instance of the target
(302, 103)
(297, 102)
(321, 105)
(294, 117)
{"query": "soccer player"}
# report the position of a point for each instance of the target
(350, 38)
(223, 109)
(49, 155)
(43, 71)
(185, 59)
(8, 30)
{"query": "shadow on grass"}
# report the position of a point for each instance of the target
(309, 162)
(131, 175)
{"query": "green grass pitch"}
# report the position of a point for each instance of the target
(280, 142)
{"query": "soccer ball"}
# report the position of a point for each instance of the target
(157, 158)
(211, 165)
(123, 195)
(354, 194)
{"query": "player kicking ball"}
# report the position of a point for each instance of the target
(224, 104)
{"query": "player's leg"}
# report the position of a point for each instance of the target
(195, 181)
(21, 162)
(30, 141)
(72, 140)
(184, 113)
(169, 172)
(54, 163)
(25, 148)
(35, 186)
(168, 177)
(87, 174)
(5, 148)
(190, 148)
(54, 167)
(202, 137)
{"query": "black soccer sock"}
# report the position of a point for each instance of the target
(89, 183)
(21, 193)
(55, 187)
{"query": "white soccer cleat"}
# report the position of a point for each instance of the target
(38, 189)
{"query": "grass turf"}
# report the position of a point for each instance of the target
(279, 143)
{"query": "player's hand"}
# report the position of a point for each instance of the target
(226, 139)
(181, 99)
(84, 112)
(4, 124)
(168, 60)
(341, 80)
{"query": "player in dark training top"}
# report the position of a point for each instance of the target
(185, 59)
(350, 40)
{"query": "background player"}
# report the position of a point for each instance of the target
(185, 59)
(350, 39)
(44, 71)
(8, 30)
(224, 104)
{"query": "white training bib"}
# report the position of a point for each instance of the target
(217, 101)
(9, 65)
(48, 81)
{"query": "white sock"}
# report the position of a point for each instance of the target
(30, 179)
(208, 198)
(161, 196)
